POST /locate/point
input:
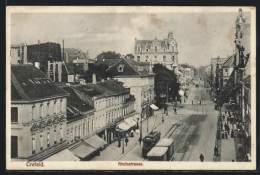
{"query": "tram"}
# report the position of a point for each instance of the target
(158, 154)
(169, 143)
(150, 141)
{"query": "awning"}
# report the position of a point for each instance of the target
(154, 107)
(130, 121)
(83, 150)
(95, 142)
(62, 156)
(124, 126)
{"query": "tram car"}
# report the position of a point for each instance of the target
(158, 154)
(169, 143)
(150, 141)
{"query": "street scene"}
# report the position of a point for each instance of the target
(136, 86)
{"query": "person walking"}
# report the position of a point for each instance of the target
(216, 151)
(126, 141)
(140, 140)
(175, 111)
(201, 157)
(228, 129)
(232, 133)
(223, 117)
(192, 102)
(226, 135)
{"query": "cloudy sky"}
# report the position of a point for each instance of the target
(200, 36)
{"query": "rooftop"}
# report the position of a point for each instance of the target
(29, 83)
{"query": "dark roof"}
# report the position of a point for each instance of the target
(184, 65)
(44, 52)
(29, 83)
(146, 44)
(131, 69)
(112, 87)
(88, 90)
(74, 101)
(108, 62)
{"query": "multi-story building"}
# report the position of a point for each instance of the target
(226, 71)
(242, 64)
(137, 76)
(158, 51)
(216, 64)
(44, 56)
(38, 114)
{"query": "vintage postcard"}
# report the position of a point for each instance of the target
(130, 88)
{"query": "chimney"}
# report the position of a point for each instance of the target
(39, 42)
(94, 79)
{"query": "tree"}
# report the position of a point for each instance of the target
(165, 78)
(109, 55)
(99, 70)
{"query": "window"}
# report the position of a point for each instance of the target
(61, 105)
(79, 133)
(41, 141)
(139, 49)
(155, 48)
(172, 58)
(138, 58)
(41, 110)
(48, 108)
(84, 129)
(33, 109)
(14, 114)
(241, 34)
(88, 126)
(164, 58)
(61, 134)
(48, 139)
(18, 52)
(92, 125)
(71, 134)
(33, 144)
(14, 146)
(147, 50)
(54, 107)
(55, 136)
(155, 58)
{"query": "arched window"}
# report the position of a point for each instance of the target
(155, 48)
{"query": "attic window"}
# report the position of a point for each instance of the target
(120, 68)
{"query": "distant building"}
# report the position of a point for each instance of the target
(38, 115)
(137, 76)
(44, 56)
(158, 51)
(226, 70)
(216, 70)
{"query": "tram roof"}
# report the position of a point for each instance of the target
(157, 151)
(165, 142)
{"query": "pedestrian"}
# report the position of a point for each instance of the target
(232, 133)
(126, 141)
(228, 129)
(175, 111)
(140, 140)
(201, 157)
(119, 143)
(226, 134)
(216, 150)
(200, 102)
(192, 102)
(223, 117)
(132, 133)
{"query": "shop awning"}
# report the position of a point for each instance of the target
(83, 150)
(63, 155)
(124, 126)
(136, 117)
(154, 107)
(95, 142)
(130, 121)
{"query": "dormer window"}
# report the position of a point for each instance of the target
(139, 49)
(155, 48)
(120, 68)
(173, 48)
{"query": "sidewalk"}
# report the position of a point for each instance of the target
(228, 148)
(133, 149)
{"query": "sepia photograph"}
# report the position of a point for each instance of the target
(130, 88)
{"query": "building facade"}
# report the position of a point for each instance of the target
(158, 51)
(38, 114)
